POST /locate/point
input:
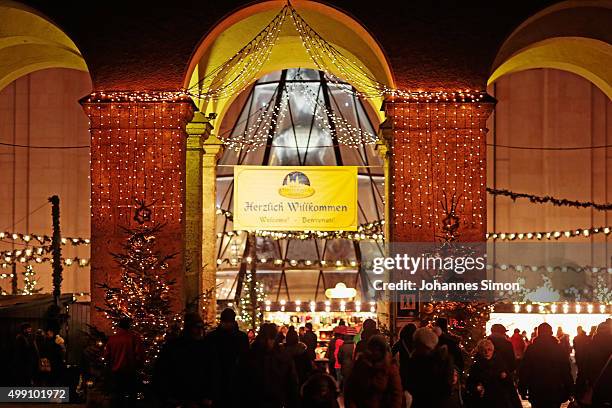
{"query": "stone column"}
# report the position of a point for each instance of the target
(437, 161)
(138, 144)
(384, 308)
(438, 158)
(213, 150)
(203, 152)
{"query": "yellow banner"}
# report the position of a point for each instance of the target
(295, 198)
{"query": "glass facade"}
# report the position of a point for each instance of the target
(297, 117)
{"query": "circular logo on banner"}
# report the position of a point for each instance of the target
(296, 185)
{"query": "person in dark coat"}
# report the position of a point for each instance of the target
(404, 348)
(598, 368)
(270, 377)
(368, 330)
(451, 342)
(320, 391)
(374, 381)
(180, 372)
(545, 374)
(53, 352)
(298, 352)
(227, 346)
(581, 345)
(490, 383)
(430, 373)
(25, 356)
(310, 339)
(503, 347)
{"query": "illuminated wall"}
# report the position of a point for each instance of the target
(551, 109)
(42, 109)
(438, 162)
(138, 144)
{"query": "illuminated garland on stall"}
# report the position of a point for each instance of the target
(573, 233)
(548, 199)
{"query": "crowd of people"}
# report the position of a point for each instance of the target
(276, 367)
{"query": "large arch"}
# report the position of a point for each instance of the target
(233, 32)
(30, 42)
(572, 36)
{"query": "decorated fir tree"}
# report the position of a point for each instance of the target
(250, 302)
(144, 291)
(29, 281)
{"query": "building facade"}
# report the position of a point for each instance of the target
(165, 82)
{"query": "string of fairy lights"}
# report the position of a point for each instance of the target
(283, 262)
(42, 239)
(237, 72)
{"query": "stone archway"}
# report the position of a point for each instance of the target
(571, 36)
(204, 149)
(30, 42)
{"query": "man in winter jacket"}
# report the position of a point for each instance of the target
(545, 376)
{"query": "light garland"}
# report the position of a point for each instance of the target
(548, 268)
(346, 133)
(42, 239)
(282, 262)
(137, 96)
(236, 73)
(258, 133)
(548, 199)
(76, 261)
(327, 306)
(25, 252)
(554, 307)
(572, 233)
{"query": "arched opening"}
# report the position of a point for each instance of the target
(44, 146)
(305, 114)
(30, 42)
(549, 137)
(570, 36)
(288, 51)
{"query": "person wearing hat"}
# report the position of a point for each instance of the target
(503, 346)
(227, 347)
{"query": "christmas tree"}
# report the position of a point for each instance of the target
(250, 302)
(29, 281)
(144, 292)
